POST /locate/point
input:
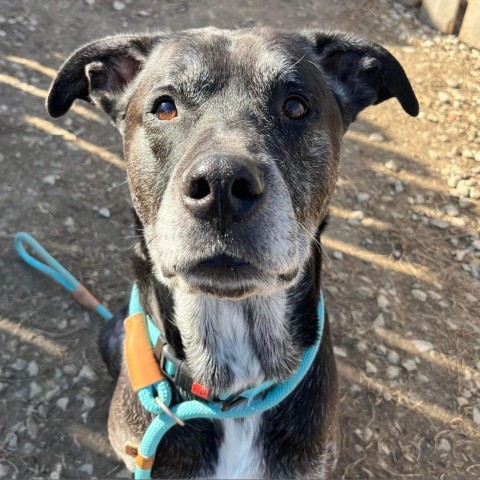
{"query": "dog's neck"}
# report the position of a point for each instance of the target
(229, 345)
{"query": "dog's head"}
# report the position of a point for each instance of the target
(231, 141)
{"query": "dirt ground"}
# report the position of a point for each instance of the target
(403, 269)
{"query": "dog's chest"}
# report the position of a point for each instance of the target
(239, 455)
(216, 339)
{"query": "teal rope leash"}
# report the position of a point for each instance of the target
(160, 393)
(53, 269)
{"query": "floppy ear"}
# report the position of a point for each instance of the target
(99, 73)
(361, 73)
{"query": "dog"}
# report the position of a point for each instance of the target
(231, 142)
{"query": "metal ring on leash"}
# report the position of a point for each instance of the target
(166, 410)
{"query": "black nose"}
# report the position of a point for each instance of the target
(223, 188)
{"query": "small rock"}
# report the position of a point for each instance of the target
(118, 6)
(86, 468)
(422, 345)
(393, 357)
(474, 193)
(19, 364)
(69, 222)
(393, 165)
(467, 153)
(50, 179)
(462, 401)
(409, 365)
(443, 97)
(56, 473)
(434, 295)
(337, 255)
(423, 378)
(440, 224)
(451, 210)
(361, 346)
(476, 244)
(399, 187)
(27, 449)
(420, 295)
(379, 321)
(476, 416)
(88, 402)
(444, 445)
(376, 137)
(380, 349)
(370, 367)
(367, 434)
(383, 447)
(35, 389)
(13, 441)
(70, 369)
(87, 373)
(62, 403)
(458, 221)
(32, 428)
(355, 217)
(453, 83)
(459, 254)
(104, 212)
(419, 198)
(32, 368)
(463, 189)
(354, 388)
(365, 292)
(339, 352)
(393, 372)
(362, 197)
(452, 181)
(383, 301)
(4, 471)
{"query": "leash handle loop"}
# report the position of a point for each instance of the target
(49, 266)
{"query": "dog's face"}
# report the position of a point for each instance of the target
(231, 142)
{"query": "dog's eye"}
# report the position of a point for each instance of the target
(294, 108)
(166, 110)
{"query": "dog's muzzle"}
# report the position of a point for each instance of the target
(223, 189)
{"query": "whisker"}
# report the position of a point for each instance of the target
(318, 243)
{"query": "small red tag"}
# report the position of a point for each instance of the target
(199, 390)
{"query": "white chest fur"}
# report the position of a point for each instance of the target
(216, 333)
(239, 455)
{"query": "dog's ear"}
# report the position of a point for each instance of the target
(361, 73)
(99, 72)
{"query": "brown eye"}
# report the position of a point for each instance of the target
(166, 110)
(294, 108)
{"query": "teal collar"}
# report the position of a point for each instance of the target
(157, 398)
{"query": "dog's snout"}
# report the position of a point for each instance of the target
(223, 188)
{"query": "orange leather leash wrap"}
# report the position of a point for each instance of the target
(142, 365)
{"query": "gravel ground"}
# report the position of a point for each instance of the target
(403, 245)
